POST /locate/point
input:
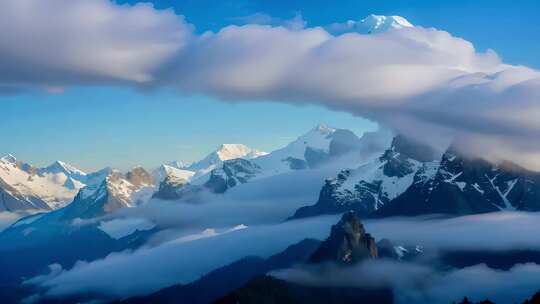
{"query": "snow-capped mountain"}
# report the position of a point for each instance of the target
(411, 179)
(372, 24)
(467, 185)
(60, 167)
(372, 185)
(319, 147)
(25, 187)
(233, 172)
(223, 153)
(116, 191)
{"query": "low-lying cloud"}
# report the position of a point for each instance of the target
(415, 283)
(181, 258)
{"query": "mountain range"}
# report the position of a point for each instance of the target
(376, 175)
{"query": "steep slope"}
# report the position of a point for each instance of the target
(320, 146)
(348, 243)
(468, 185)
(372, 185)
(115, 192)
(229, 174)
(24, 187)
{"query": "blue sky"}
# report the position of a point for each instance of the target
(93, 127)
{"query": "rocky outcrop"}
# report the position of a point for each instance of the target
(348, 243)
(139, 177)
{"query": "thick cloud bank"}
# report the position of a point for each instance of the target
(186, 258)
(53, 43)
(420, 81)
(413, 283)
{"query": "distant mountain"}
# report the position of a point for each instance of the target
(115, 192)
(319, 147)
(63, 236)
(223, 153)
(25, 187)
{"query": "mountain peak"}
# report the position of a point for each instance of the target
(348, 242)
(62, 167)
(373, 24)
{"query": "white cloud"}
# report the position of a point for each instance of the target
(182, 258)
(420, 81)
(54, 43)
(414, 283)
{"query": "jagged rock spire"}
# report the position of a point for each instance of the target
(348, 242)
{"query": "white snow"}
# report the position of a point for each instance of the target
(48, 187)
(223, 153)
(318, 138)
(391, 186)
(507, 205)
(165, 170)
(477, 187)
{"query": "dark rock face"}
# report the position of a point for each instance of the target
(348, 243)
(408, 180)
(464, 185)
(139, 177)
(233, 172)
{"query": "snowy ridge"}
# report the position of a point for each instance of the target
(372, 24)
(223, 153)
(293, 156)
(164, 171)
